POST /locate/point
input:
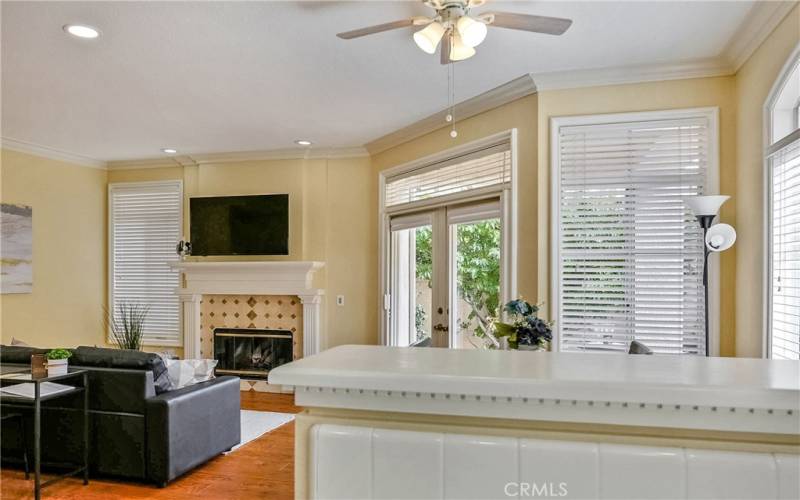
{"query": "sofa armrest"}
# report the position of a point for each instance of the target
(189, 426)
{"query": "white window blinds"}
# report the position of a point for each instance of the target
(145, 226)
(785, 263)
(487, 167)
(630, 253)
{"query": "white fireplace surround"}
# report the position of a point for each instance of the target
(249, 278)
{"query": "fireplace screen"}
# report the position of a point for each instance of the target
(251, 353)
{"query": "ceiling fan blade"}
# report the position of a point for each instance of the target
(444, 49)
(527, 22)
(347, 35)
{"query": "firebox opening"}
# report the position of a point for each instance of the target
(251, 352)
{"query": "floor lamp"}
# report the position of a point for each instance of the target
(716, 237)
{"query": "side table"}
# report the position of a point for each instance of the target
(36, 400)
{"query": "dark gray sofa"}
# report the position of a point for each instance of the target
(138, 428)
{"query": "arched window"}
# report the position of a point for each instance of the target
(782, 161)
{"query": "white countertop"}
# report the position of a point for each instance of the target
(739, 393)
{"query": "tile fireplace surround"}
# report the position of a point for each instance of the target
(265, 312)
(268, 295)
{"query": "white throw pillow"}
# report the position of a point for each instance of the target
(183, 372)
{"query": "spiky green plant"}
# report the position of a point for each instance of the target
(127, 325)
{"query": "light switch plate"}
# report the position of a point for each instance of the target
(340, 300)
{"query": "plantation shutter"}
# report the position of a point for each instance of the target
(486, 168)
(785, 239)
(145, 226)
(630, 257)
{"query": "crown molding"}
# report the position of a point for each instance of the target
(762, 19)
(281, 154)
(511, 91)
(51, 153)
(533, 83)
(241, 156)
(621, 75)
(168, 162)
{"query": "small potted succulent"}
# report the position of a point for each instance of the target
(525, 330)
(57, 360)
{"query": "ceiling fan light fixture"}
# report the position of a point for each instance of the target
(472, 32)
(459, 50)
(428, 37)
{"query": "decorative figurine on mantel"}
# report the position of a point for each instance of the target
(183, 248)
(525, 331)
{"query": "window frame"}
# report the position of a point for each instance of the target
(712, 187)
(110, 225)
(769, 147)
(508, 199)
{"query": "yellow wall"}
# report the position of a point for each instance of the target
(329, 203)
(753, 82)
(69, 247)
(693, 93)
(531, 116)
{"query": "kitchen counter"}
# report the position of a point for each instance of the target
(734, 394)
(385, 422)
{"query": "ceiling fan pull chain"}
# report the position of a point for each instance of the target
(452, 79)
(449, 117)
(453, 132)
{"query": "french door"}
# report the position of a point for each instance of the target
(445, 274)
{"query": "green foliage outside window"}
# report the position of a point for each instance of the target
(478, 271)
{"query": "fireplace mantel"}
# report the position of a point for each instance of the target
(249, 278)
(264, 278)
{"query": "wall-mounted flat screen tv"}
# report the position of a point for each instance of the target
(240, 225)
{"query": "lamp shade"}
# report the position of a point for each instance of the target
(459, 50)
(720, 237)
(706, 205)
(428, 37)
(472, 32)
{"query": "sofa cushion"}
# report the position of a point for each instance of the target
(124, 358)
(185, 372)
(14, 354)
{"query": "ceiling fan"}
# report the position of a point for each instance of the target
(459, 31)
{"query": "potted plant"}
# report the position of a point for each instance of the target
(127, 324)
(525, 330)
(57, 361)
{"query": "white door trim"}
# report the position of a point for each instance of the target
(507, 194)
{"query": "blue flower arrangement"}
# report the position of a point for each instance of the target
(525, 327)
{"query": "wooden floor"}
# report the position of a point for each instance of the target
(264, 468)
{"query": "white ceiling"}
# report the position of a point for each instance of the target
(209, 77)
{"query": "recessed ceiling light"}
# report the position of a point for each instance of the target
(303, 142)
(81, 30)
(169, 151)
